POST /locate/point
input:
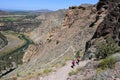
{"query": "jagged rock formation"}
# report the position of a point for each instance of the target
(111, 22)
(3, 41)
(110, 26)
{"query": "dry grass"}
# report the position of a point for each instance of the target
(74, 72)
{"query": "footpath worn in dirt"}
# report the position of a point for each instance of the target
(62, 73)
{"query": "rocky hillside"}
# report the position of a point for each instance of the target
(3, 41)
(81, 28)
(109, 27)
(50, 21)
(58, 32)
(56, 37)
(101, 48)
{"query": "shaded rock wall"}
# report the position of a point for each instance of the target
(111, 23)
(110, 26)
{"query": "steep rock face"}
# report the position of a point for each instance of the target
(3, 41)
(110, 26)
(111, 22)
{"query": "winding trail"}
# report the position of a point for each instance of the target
(62, 73)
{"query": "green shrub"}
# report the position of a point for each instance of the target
(46, 71)
(74, 72)
(77, 54)
(63, 63)
(107, 48)
(107, 63)
(18, 75)
(98, 70)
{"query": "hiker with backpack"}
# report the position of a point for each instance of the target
(73, 63)
(77, 58)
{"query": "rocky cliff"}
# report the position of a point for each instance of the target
(108, 27)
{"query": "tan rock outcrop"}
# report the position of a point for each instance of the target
(30, 53)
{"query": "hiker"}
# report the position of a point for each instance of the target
(78, 60)
(73, 63)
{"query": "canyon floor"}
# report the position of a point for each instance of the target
(13, 43)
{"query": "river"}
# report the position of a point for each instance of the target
(10, 61)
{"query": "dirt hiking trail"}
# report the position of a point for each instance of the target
(62, 73)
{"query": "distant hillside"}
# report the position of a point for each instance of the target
(3, 12)
(25, 12)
